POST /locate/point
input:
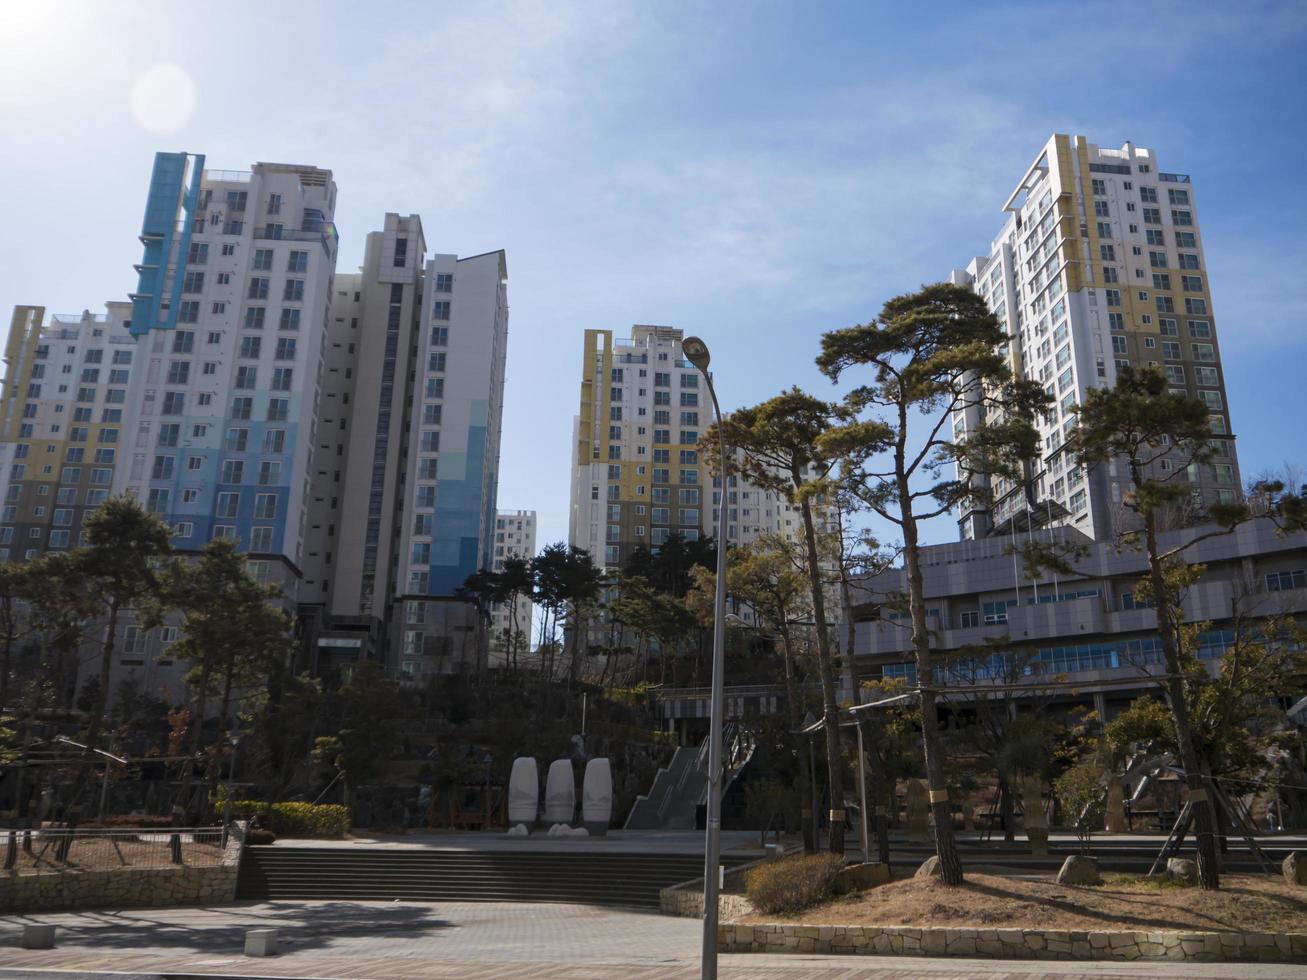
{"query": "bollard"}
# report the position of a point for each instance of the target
(772, 851)
(260, 942)
(175, 846)
(27, 841)
(38, 937)
(11, 850)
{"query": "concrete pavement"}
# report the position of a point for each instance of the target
(483, 941)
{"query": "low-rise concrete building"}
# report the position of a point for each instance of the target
(1082, 637)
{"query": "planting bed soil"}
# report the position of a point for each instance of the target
(1246, 903)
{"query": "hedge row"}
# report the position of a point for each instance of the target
(296, 819)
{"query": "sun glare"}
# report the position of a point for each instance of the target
(164, 99)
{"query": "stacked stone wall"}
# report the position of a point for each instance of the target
(1013, 943)
(122, 888)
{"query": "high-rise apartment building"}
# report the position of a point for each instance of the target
(230, 318)
(1099, 265)
(515, 537)
(343, 431)
(61, 424)
(637, 476)
(404, 491)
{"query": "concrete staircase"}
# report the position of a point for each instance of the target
(682, 787)
(430, 875)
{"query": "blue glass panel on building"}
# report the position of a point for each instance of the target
(165, 231)
(457, 522)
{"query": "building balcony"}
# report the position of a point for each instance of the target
(228, 176)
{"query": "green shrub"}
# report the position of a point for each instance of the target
(792, 884)
(295, 819)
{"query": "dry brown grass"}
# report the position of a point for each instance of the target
(93, 853)
(1246, 903)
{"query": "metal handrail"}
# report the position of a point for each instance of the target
(743, 690)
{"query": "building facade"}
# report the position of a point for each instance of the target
(1077, 638)
(515, 537)
(410, 421)
(230, 321)
(637, 475)
(343, 431)
(1099, 265)
(61, 424)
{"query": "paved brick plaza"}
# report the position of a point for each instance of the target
(484, 941)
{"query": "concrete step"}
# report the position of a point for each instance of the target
(626, 880)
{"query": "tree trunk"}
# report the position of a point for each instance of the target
(794, 707)
(877, 791)
(226, 707)
(834, 754)
(1005, 809)
(197, 727)
(1209, 874)
(73, 808)
(5, 664)
(950, 862)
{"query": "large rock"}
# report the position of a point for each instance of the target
(929, 868)
(1295, 868)
(860, 877)
(1079, 870)
(1182, 870)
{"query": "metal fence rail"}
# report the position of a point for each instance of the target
(59, 851)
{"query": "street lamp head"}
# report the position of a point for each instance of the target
(696, 352)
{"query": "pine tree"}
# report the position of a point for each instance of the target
(928, 356)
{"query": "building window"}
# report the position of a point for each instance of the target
(1283, 581)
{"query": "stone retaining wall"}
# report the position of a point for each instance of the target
(685, 899)
(687, 902)
(124, 887)
(1013, 943)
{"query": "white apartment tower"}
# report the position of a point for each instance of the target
(343, 431)
(403, 494)
(637, 475)
(230, 321)
(515, 537)
(1099, 265)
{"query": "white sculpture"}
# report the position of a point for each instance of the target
(597, 796)
(523, 792)
(560, 793)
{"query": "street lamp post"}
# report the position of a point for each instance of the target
(696, 352)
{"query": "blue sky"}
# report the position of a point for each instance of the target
(756, 172)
